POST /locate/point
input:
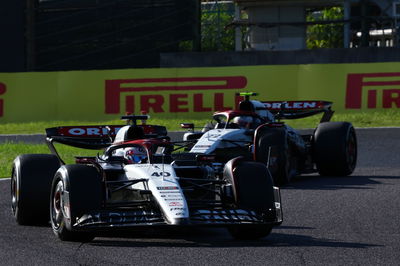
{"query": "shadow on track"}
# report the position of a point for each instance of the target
(316, 182)
(218, 238)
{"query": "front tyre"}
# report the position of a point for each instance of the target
(335, 148)
(76, 190)
(252, 187)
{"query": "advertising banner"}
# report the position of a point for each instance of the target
(192, 92)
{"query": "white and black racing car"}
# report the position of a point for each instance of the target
(139, 180)
(255, 131)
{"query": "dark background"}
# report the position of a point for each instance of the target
(54, 35)
(93, 34)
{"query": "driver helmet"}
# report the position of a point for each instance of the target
(243, 121)
(135, 155)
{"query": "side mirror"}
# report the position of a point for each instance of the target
(188, 126)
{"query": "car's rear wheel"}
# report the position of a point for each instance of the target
(252, 187)
(335, 148)
(76, 190)
(31, 179)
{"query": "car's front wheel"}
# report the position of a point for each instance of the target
(76, 190)
(252, 187)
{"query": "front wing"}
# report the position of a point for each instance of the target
(206, 217)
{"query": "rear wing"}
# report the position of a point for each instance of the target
(101, 136)
(95, 137)
(86, 137)
(299, 109)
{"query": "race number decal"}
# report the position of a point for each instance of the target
(164, 174)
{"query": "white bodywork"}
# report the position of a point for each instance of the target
(120, 135)
(163, 183)
(228, 138)
(216, 138)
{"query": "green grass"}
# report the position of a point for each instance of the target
(9, 151)
(359, 119)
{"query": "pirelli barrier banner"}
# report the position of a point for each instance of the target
(192, 92)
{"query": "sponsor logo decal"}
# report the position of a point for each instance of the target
(177, 209)
(148, 92)
(204, 146)
(373, 90)
(293, 105)
(120, 217)
(88, 131)
(167, 188)
(173, 199)
(175, 203)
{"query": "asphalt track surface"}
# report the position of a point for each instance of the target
(327, 221)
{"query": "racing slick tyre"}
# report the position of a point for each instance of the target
(335, 148)
(252, 187)
(76, 190)
(272, 149)
(31, 179)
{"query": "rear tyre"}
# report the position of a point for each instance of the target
(31, 179)
(252, 187)
(81, 186)
(335, 148)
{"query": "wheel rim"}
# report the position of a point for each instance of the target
(351, 151)
(14, 189)
(57, 205)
